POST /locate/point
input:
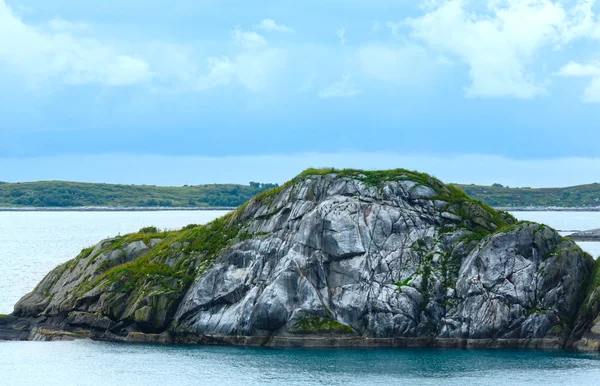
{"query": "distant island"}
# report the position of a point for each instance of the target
(64, 195)
(60, 194)
(498, 196)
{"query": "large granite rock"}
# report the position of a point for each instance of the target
(345, 258)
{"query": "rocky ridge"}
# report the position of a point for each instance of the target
(334, 257)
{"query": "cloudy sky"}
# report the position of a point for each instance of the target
(164, 92)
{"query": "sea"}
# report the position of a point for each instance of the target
(32, 243)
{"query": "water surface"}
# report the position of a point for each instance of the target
(32, 243)
(96, 363)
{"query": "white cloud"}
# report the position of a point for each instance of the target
(256, 71)
(40, 57)
(221, 71)
(573, 69)
(499, 45)
(341, 34)
(251, 70)
(253, 67)
(581, 22)
(590, 70)
(592, 92)
(341, 89)
(500, 40)
(248, 39)
(246, 60)
(270, 25)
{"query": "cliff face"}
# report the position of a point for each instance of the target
(332, 258)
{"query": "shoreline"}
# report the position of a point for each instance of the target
(546, 209)
(206, 208)
(115, 209)
(25, 332)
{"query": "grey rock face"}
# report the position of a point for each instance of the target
(338, 258)
(386, 263)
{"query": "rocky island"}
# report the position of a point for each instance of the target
(588, 235)
(332, 258)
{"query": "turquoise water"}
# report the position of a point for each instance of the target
(94, 363)
(31, 244)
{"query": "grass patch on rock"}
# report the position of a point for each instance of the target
(320, 325)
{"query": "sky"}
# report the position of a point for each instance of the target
(169, 92)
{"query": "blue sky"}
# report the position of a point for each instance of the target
(111, 90)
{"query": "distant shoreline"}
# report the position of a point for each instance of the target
(548, 209)
(206, 208)
(116, 209)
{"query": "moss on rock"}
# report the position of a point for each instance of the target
(320, 325)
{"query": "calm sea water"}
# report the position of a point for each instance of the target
(93, 363)
(33, 243)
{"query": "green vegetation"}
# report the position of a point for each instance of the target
(57, 194)
(484, 217)
(314, 324)
(404, 283)
(375, 177)
(505, 197)
(150, 229)
(370, 177)
(197, 242)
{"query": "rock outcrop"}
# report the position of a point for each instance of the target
(589, 235)
(345, 258)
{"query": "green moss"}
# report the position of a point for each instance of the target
(591, 284)
(596, 276)
(121, 242)
(201, 242)
(449, 267)
(375, 177)
(86, 252)
(319, 325)
(71, 264)
(457, 200)
(150, 229)
(536, 310)
(404, 283)
(210, 239)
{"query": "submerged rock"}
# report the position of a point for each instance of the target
(352, 258)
